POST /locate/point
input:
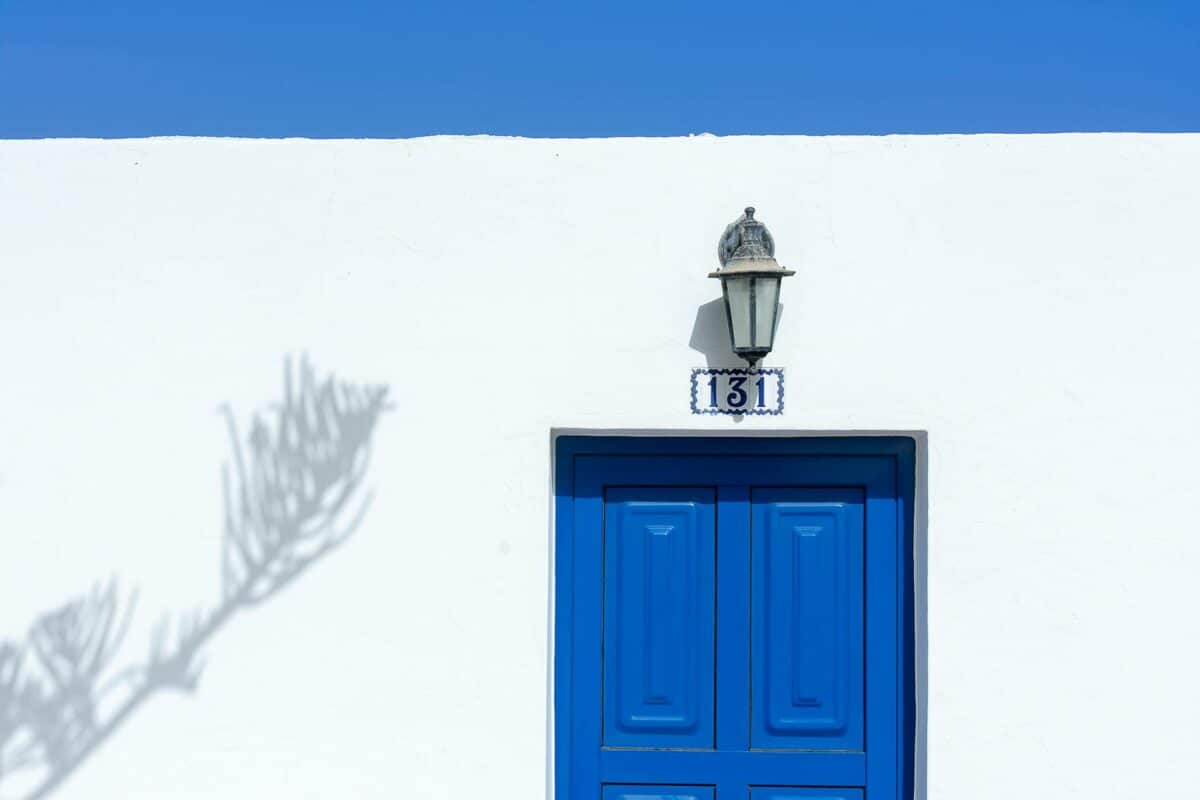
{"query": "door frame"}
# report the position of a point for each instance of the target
(568, 446)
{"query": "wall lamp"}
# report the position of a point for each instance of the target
(750, 280)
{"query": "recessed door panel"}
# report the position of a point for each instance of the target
(659, 617)
(658, 793)
(777, 793)
(807, 607)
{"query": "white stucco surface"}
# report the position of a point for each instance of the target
(1029, 301)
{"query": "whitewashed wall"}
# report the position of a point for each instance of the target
(1030, 301)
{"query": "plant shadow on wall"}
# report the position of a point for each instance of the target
(293, 492)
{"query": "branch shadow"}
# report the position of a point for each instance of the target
(292, 493)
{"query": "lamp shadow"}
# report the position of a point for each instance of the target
(293, 490)
(710, 335)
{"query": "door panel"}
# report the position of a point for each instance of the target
(658, 793)
(807, 619)
(777, 793)
(659, 617)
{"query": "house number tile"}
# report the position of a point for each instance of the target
(737, 391)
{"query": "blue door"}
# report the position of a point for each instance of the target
(731, 619)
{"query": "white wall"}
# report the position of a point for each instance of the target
(1030, 301)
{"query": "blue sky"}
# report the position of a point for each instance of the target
(355, 68)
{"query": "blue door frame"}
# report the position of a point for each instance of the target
(711, 492)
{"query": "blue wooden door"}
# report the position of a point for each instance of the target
(729, 627)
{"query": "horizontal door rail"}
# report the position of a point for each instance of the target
(760, 767)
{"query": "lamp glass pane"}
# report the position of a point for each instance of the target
(766, 296)
(737, 305)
